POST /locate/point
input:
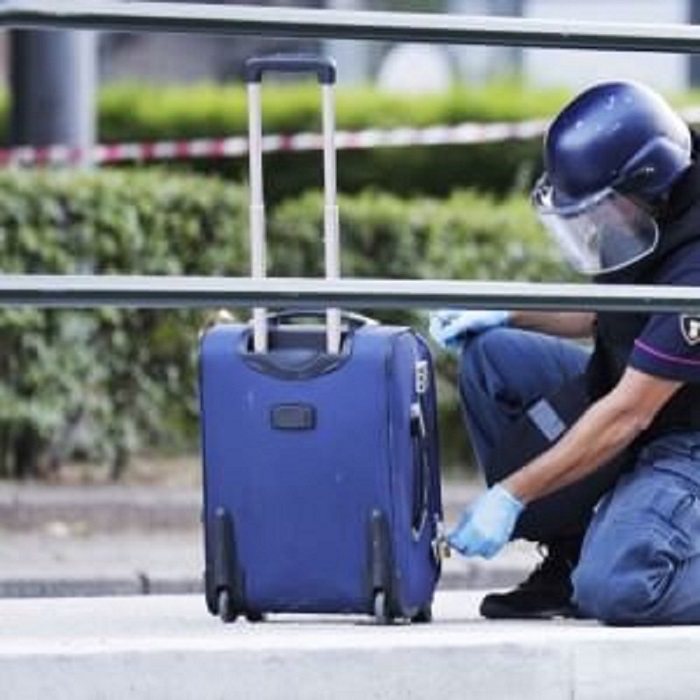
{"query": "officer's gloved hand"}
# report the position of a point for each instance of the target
(449, 327)
(487, 524)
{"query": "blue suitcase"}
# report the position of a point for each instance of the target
(321, 466)
(321, 482)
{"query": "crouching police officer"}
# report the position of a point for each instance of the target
(596, 455)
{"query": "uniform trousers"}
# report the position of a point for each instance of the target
(640, 560)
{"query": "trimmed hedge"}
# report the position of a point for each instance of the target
(127, 378)
(132, 111)
(468, 235)
(137, 111)
(128, 375)
(129, 112)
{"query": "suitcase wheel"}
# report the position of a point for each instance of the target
(225, 608)
(382, 612)
(423, 615)
(254, 616)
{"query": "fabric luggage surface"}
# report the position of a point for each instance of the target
(315, 474)
(320, 455)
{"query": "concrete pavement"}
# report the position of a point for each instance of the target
(168, 647)
(73, 561)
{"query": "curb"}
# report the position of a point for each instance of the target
(143, 584)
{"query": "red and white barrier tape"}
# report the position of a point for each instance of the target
(238, 146)
(466, 133)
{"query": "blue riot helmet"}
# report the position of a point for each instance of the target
(609, 155)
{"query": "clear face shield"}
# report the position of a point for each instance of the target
(602, 233)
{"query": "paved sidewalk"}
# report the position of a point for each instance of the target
(60, 540)
(73, 625)
(168, 647)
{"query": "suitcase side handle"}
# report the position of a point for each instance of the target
(421, 469)
(322, 66)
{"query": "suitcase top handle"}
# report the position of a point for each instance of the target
(323, 67)
(289, 316)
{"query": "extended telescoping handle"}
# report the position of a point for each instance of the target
(325, 71)
(323, 66)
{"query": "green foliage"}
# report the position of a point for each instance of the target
(477, 236)
(127, 378)
(128, 375)
(468, 236)
(142, 112)
(135, 111)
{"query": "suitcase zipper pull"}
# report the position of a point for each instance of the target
(441, 547)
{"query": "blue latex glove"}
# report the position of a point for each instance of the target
(488, 524)
(449, 327)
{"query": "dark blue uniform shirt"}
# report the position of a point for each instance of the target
(669, 344)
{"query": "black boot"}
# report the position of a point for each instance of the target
(546, 593)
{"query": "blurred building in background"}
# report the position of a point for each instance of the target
(576, 68)
(671, 72)
(191, 58)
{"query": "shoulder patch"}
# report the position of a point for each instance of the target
(690, 328)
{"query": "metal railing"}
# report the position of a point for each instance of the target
(177, 292)
(166, 291)
(340, 24)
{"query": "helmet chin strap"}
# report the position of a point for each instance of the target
(680, 196)
(654, 207)
(683, 194)
(658, 207)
